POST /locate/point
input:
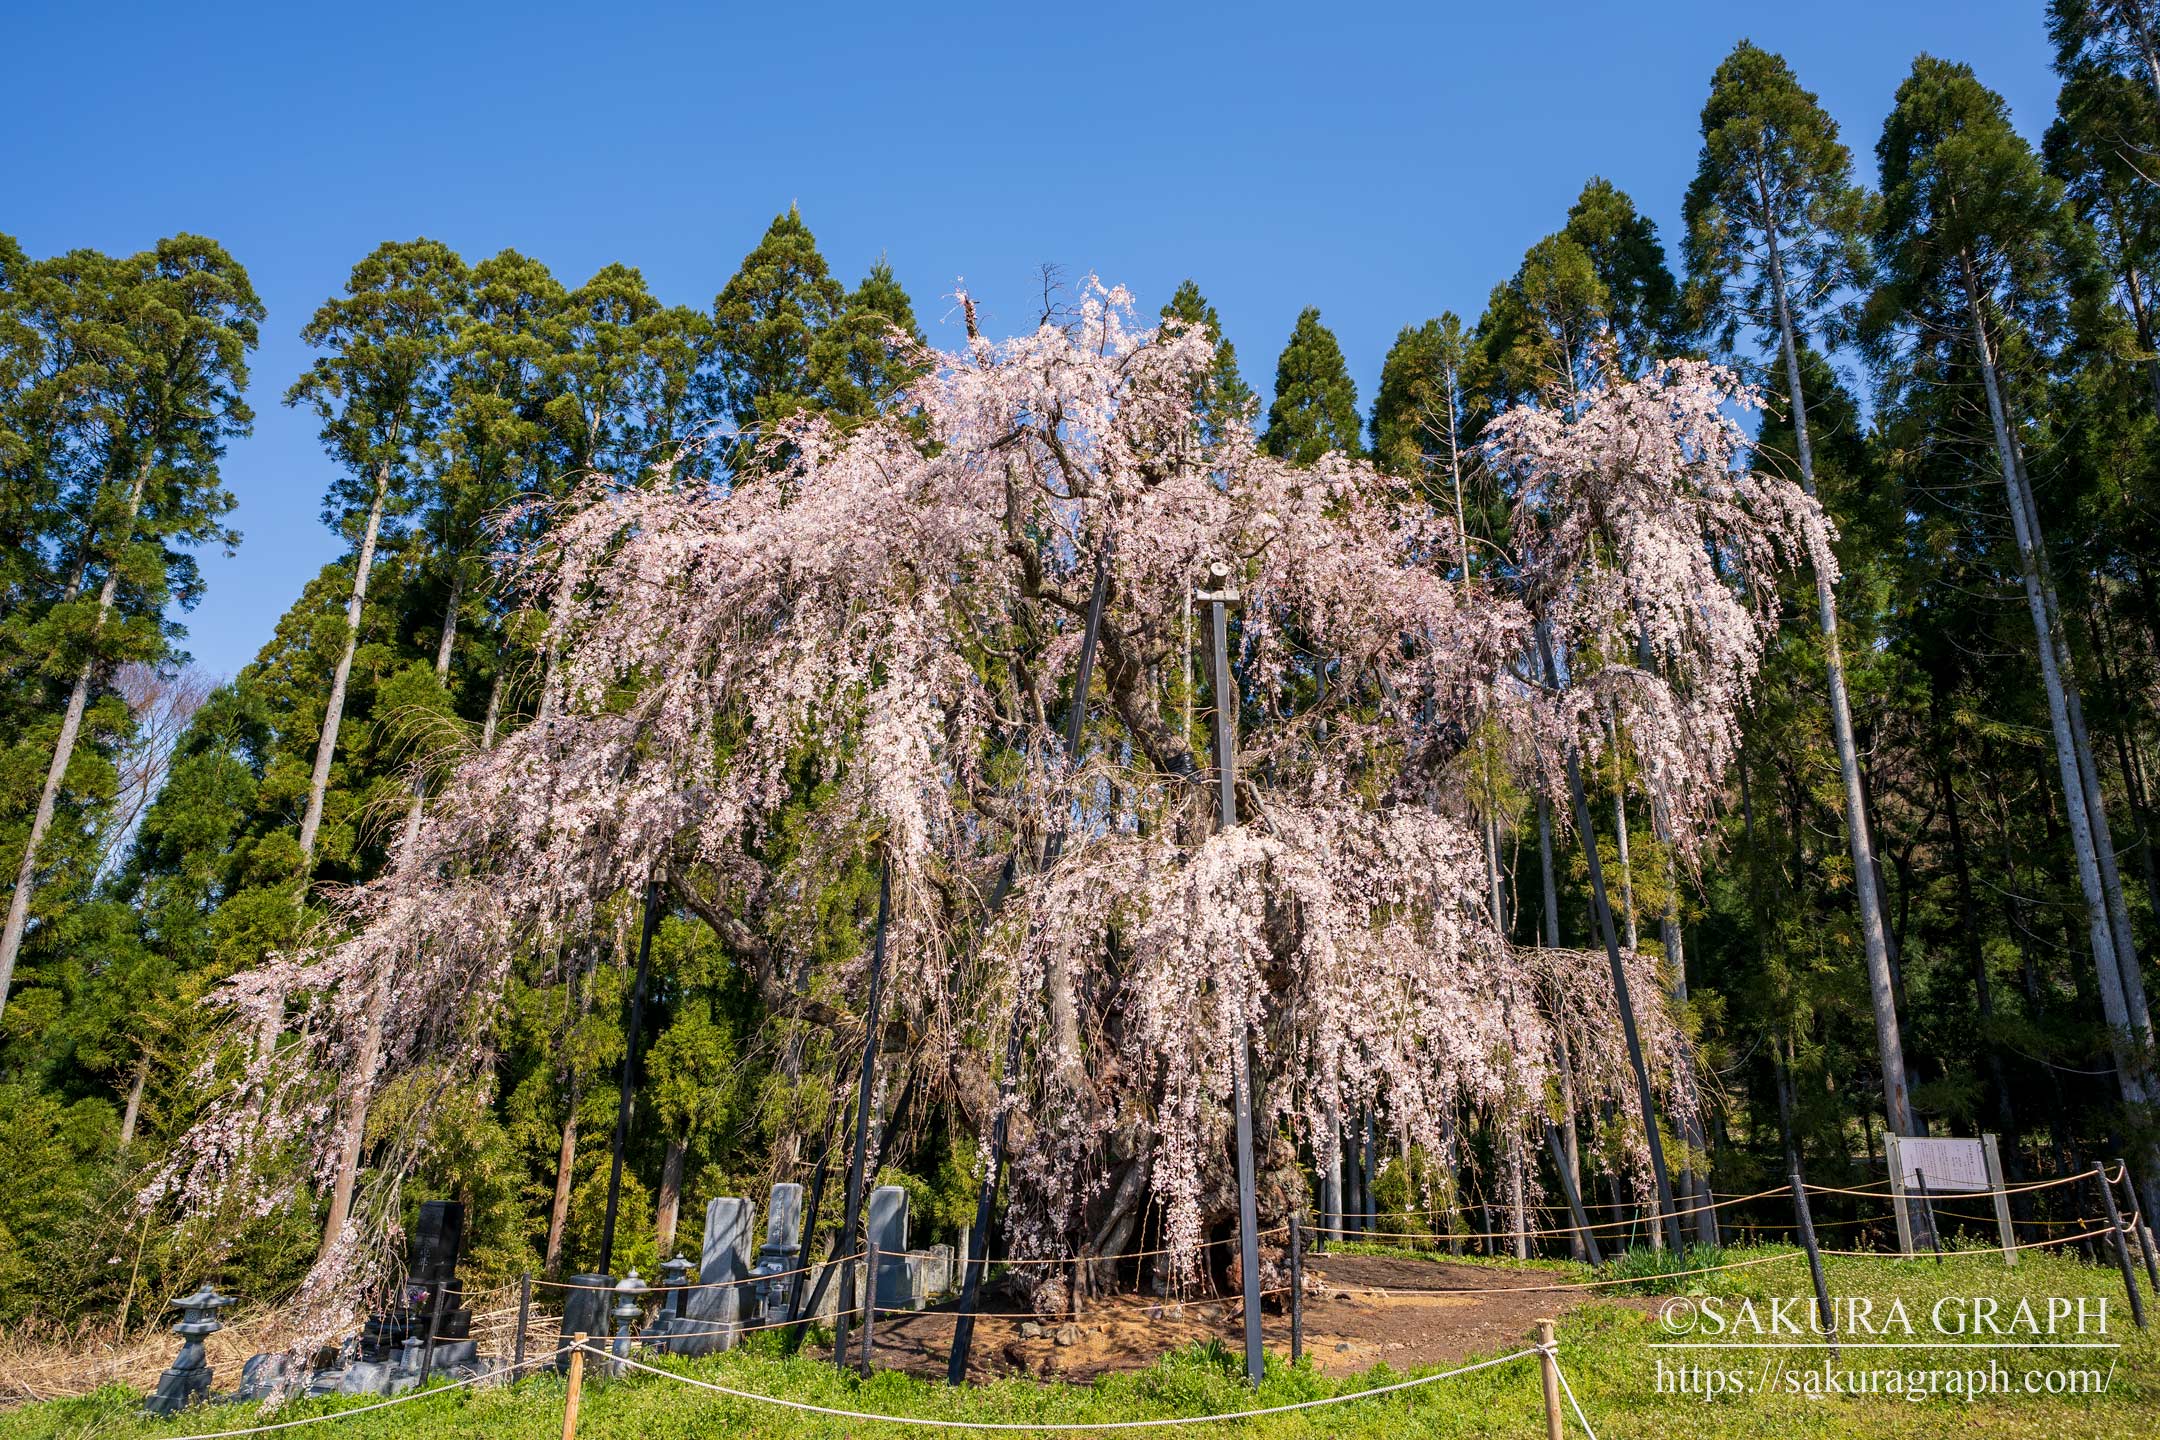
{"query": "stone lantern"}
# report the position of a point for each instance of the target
(629, 1308)
(188, 1378)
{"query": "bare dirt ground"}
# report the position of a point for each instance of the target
(1356, 1315)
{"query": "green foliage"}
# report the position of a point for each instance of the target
(1773, 214)
(1315, 408)
(1221, 394)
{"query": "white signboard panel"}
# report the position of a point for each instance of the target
(1950, 1167)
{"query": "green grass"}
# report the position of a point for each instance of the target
(1604, 1351)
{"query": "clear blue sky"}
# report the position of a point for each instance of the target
(1384, 163)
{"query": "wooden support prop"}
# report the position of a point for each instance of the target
(577, 1386)
(1823, 1309)
(436, 1288)
(2140, 1229)
(525, 1313)
(1297, 1288)
(869, 1304)
(802, 1296)
(1583, 1232)
(1602, 911)
(1927, 1209)
(978, 1259)
(630, 1046)
(1549, 1371)
(2122, 1247)
(851, 1219)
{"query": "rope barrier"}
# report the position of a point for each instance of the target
(1282, 1229)
(1613, 1280)
(416, 1393)
(1558, 1231)
(928, 1422)
(1884, 1193)
(1561, 1375)
(1225, 1301)
(1982, 1251)
(710, 1284)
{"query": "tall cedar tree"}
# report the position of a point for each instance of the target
(2101, 147)
(1220, 395)
(1980, 256)
(1642, 298)
(1315, 407)
(1774, 243)
(378, 392)
(2122, 36)
(1420, 424)
(766, 323)
(145, 366)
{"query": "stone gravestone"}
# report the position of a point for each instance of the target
(888, 1231)
(781, 1252)
(935, 1275)
(717, 1312)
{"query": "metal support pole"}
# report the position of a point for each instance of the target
(1248, 1215)
(629, 1060)
(1220, 597)
(517, 1354)
(851, 1219)
(1823, 1309)
(1297, 1288)
(2122, 1249)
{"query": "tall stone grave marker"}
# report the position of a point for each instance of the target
(717, 1310)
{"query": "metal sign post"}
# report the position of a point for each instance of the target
(1897, 1192)
(1992, 1155)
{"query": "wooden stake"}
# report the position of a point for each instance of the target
(1549, 1368)
(577, 1385)
(517, 1357)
